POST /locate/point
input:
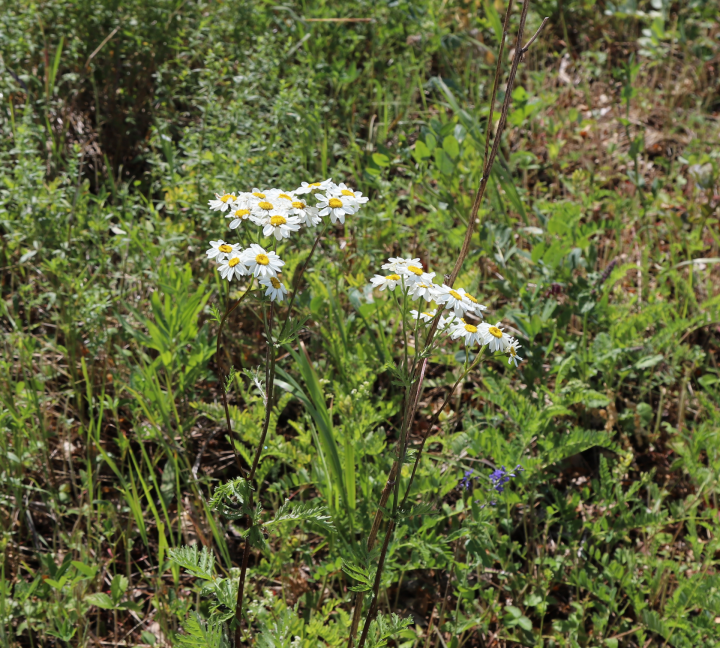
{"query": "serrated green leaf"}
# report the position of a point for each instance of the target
(118, 587)
(197, 563)
(302, 511)
(232, 499)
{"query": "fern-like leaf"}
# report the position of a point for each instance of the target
(303, 511)
(232, 499)
(199, 634)
(200, 564)
(385, 627)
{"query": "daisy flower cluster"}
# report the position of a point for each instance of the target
(455, 304)
(279, 214)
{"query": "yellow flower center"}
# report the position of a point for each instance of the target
(513, 352)
(335, 203)
(276, 221)
(241, 213)
(427, 314)
(233, 262)
(262, 259)
(314, 184)
(264, 204)
(285, 196)
(494, 330)
(415, 270)
(471, 298)
(470, 328)
(298, 204)
(347, 192)
(393, 277)
(225, 248)
(456, 294)
(257, 194)
(227, 197)
(275, 283)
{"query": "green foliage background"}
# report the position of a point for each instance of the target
(598, 244)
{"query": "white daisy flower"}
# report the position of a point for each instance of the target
(233, 266)
(283, 197)
(262, 263)
(512, 350)
(222, 202)
(259, 194)
(241, 200)
(471, 334)
(308, 215)
(447, 322)
(270, 205)
(475, 306)
(275, 288)
(395, 264)
(425, 289)
(453, 300)
(280, 226)
(390, 282)
(308, 187)
(425, 316)
(495, 337)
(238, 213)
(220, 250)
(347, 192)
(416, 274)
(336, 207)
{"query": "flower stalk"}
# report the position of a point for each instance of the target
(487, 335)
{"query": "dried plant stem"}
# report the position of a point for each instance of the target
(416, 389)
(489, 161)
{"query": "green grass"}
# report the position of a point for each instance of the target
(598, 243)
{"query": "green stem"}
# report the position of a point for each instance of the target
(229, 310)
(270, 378)
(299, 279)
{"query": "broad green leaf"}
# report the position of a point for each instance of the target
(451, 146)
(100, 600)
(421, 151)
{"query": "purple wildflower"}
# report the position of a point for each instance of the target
(465, 481)
(500, 476)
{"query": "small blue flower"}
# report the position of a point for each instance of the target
(500, 476)
(465, 481)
